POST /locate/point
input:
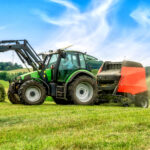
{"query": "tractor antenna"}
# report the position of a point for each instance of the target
(66, 47)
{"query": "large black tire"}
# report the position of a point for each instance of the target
(32, 93)
(61, 101)
(2, 93)
(83, 91)
(142, 101)
(12, 95)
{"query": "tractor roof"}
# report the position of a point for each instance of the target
(57, 51)
(71, 51)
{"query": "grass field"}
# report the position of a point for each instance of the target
(17, 70)
(51, 126)
(5, 84)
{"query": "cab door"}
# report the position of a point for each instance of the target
(50, 65)
(68, 65)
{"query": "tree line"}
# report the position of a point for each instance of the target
(6, 66)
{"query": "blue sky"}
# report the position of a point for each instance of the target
(108, 29)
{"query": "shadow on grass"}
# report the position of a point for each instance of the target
(53, 104)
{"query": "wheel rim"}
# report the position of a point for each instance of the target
(33, 93)
(84, 92)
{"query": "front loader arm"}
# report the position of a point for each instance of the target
(24, 50)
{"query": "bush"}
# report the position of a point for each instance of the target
(94, 71)
(2, 93)
(4, 76)
(9, 76)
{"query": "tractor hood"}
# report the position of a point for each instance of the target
(35, 74)
(30, 75)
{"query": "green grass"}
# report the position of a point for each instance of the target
(51, 126)
(5, 84)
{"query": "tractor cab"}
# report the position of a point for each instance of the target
(64, 63)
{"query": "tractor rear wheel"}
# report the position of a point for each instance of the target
(13, 96)
(83, 91)
(142, 101)
(32, 93)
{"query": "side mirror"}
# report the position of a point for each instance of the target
(62, 53)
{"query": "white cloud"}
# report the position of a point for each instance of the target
(71, 16)
(86, 31)
(64, 20)
(90, 31)
(65, 3)
(141, 15)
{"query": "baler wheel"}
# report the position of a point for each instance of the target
(142, 101)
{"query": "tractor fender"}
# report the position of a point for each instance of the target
(76, 75)
(79, 73)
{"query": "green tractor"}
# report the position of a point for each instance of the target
(64, 75)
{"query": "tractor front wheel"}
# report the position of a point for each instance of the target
(83, 91)
(32, 93)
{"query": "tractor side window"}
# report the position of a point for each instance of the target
(75, 61)
(53, 60)
(67, 66)
(82, 61)
(88, 57)
(69, 63)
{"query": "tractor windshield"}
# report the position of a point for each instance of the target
(70, 62)
(51, 60)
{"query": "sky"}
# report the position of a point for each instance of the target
(111, 30)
